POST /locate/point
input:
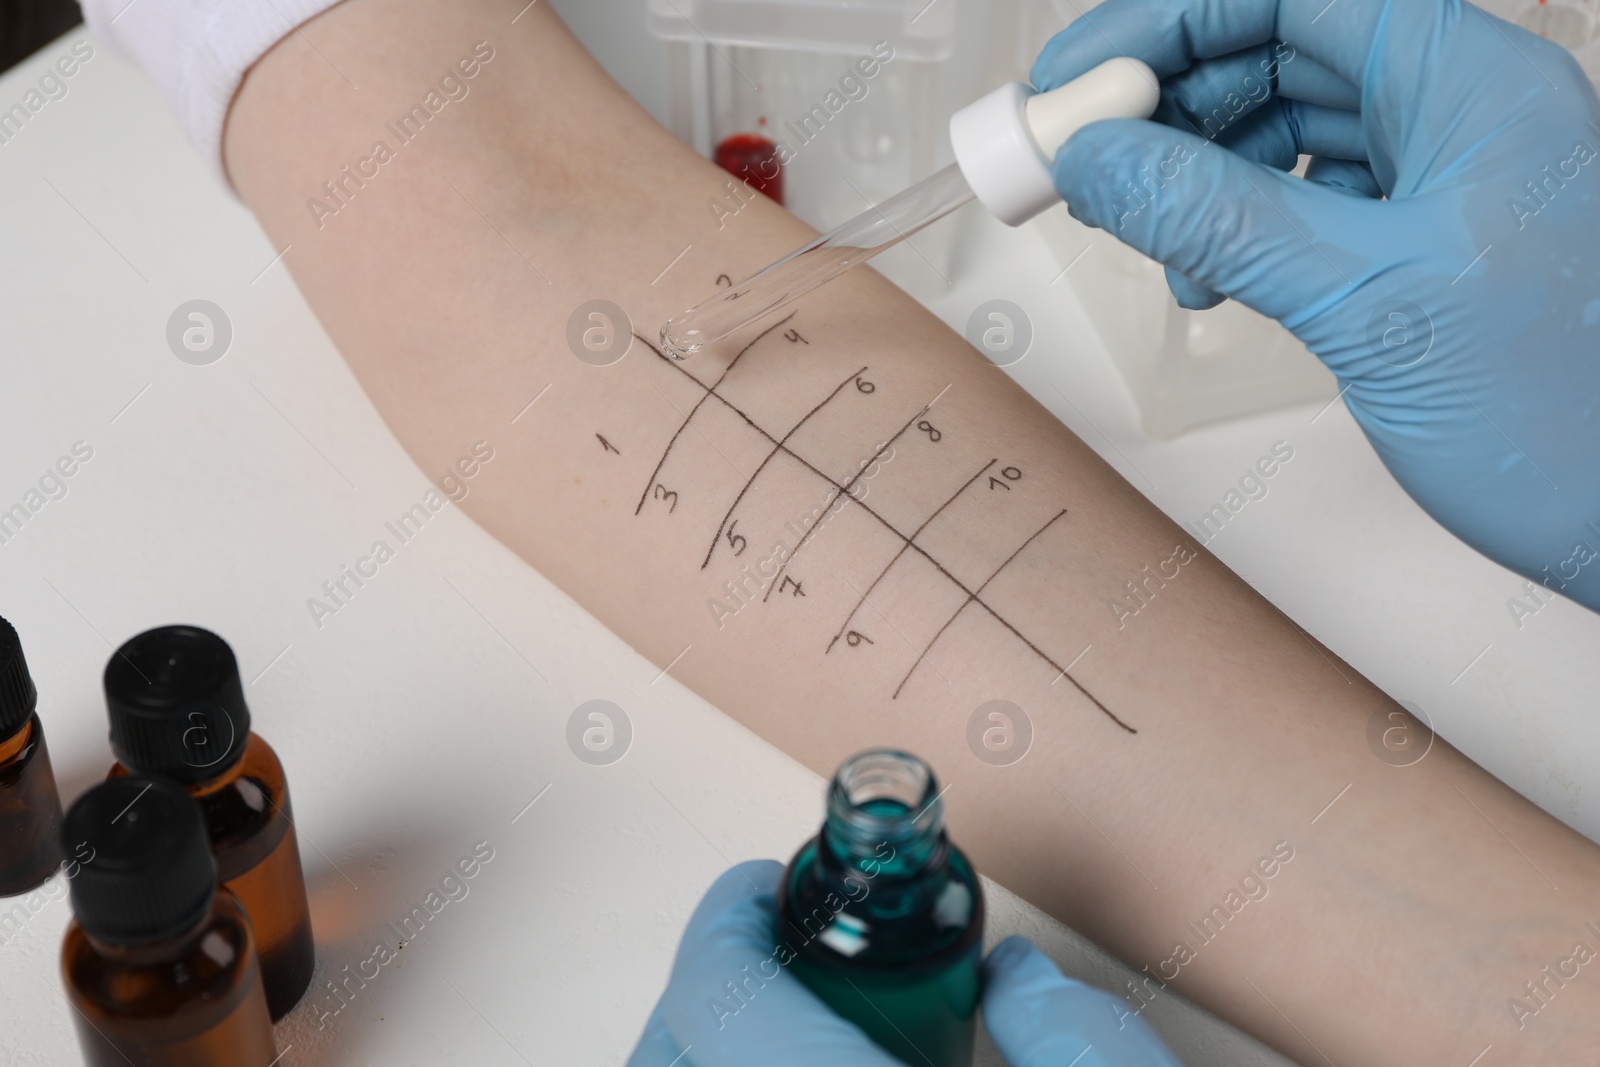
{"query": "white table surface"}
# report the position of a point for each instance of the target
(426, 715)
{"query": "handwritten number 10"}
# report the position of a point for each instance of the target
(1011, 474)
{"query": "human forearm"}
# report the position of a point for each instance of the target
(1174, 748)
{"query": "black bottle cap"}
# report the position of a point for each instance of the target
(18, 697)
(177, 707)
(149, 874)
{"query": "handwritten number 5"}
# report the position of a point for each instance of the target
(737, 542)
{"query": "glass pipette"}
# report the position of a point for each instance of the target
(856, 241)
(1004, 144)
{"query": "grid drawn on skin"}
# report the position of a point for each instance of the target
(709, 392)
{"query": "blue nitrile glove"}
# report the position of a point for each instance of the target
(1040, 1018)
(769, 1017)
(1462, 314)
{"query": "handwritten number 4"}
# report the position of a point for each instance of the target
(787, 582)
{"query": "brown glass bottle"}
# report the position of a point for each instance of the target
(30, 807)
(159, 963)
(178, 712)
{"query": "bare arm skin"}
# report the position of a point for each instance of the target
(1180, 749)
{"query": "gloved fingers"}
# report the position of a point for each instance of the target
(656, 1048)
(753, 879)
(1279, 134)
(1302, 78)
(732, 1000)
(1040, 1018)
(1214, 96)
(1191, 296)
(1269, 240)
(1172, 35)
(1276, 135)
(1350, 176)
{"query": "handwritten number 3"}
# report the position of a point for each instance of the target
(663, 493)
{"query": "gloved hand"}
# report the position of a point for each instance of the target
(1036, 1017)
(1462, 314)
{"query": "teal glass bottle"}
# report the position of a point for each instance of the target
(884, 916)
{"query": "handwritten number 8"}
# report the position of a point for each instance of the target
(928, 428)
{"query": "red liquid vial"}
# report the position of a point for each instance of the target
(755, 159)
(30, 807)
(178, 713)
(159, 963)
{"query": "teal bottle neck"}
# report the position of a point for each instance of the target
(884, 817)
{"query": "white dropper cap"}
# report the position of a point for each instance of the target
(1006, 141)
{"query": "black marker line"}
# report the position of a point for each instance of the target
(845, 491)
(662, 462)
(776, 448)
(970, 598)
(887, 525)
(973, 598)
(914, 534)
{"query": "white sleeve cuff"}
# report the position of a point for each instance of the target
(197, 51)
